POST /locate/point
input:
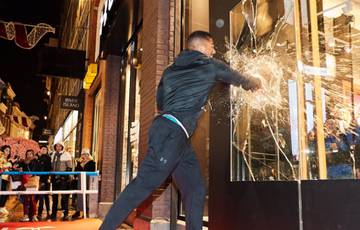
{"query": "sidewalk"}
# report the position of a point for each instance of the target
(88, 224)
(16, 212)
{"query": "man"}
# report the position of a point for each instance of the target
(181, 96)
(61, 162)
(45, 166)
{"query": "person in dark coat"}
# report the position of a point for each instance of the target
(84, 164)
(44, 166)
(30, 164)
(181, 96)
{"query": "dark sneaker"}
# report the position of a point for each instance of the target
(76, 215)
(53, 218)
(66, 218)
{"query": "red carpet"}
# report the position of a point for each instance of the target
(88, 224)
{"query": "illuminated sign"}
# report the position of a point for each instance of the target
(90, 75)
(70, 102)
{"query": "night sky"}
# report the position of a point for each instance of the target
(17, 65)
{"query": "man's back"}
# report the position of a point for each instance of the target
(186, 84)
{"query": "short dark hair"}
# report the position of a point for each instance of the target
(5, 147)
(199, 35)
(29, 151)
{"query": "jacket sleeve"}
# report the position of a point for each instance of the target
(160, 95)
(225, 74)
(68, 162)
(47, 164)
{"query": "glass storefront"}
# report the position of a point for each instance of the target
(305, 123)
(95, 148)
(69, 132)
(130, 87)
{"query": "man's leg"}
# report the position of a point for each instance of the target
(189, 180)
(165, 150)
(55, 199)
(41, 205)
(65, 197)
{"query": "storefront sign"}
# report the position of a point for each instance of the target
(47, 132)
(70, 102)
(60, 62)
(90, 75)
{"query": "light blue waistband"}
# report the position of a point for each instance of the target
(176, 121)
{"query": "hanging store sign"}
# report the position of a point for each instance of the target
(60, 62)
(90, 76)
(47, 132)
(70, 102)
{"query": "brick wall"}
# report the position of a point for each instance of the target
(158, 45)
(156, 41)
(110, 87)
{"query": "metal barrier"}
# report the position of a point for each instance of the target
(92, 191)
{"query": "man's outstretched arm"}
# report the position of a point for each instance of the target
(227, 75)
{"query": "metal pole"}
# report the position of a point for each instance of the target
(300, 93)
(277, 140)
(83, 191)
(317, 90)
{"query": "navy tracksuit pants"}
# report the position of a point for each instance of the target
(169, 153)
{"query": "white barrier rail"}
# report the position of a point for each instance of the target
(92, 191)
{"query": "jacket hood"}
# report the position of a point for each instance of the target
(189, 57)
(59, 143)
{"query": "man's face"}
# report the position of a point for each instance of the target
(43, 150)
(58, 148)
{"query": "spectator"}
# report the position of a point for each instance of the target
(5, 165)
(84, 164)
(30, 164)
(61, 162)
(44, 166)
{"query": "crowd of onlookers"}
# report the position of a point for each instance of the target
(57, 160)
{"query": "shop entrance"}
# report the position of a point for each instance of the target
(267, 167)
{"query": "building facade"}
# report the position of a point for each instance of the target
(308, 133)
(13, 121)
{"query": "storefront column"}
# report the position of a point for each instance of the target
(108, 134)
(317, 90)
(157, 34)
(303, 173)
(87, 120)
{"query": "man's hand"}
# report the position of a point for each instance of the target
(253, 84)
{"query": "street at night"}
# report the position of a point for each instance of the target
(180, 114)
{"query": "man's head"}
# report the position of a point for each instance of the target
(59, 147)
(43, 150)
(201, 41)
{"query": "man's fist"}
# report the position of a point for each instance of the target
(253, 84)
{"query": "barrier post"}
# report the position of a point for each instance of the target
(93, 198)
(83, 191)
